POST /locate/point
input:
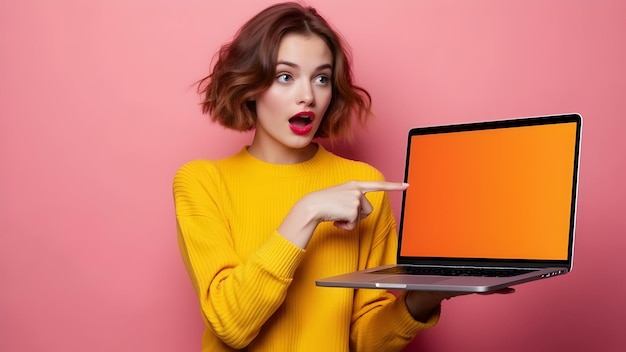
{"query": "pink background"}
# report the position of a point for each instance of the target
(98, 110)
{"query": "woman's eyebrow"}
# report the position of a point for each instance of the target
(325, 66)
(291, 64)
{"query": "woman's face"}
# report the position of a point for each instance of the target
(290, 111)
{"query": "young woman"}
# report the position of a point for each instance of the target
(258, 228)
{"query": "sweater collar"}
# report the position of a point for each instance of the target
(316, 164)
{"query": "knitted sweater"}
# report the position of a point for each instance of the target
(257, 290)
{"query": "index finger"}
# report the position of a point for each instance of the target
(376, 186)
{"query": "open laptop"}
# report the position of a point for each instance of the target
(490, 205)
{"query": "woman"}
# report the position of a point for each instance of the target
(256, 229)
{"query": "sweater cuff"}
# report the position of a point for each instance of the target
(279, 256)
(406, 324)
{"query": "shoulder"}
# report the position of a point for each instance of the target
(194, 178)
(196, 169)
(197, 188)
(203, 173)
(196, 185)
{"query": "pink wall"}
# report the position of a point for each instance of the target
(97, 111)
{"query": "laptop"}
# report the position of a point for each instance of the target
(490, 205)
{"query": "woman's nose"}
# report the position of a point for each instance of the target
(305, 95)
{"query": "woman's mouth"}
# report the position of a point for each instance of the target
(302, 123)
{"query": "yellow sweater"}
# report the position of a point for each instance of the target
(256, 290)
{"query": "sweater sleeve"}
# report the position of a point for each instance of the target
(236, 297)
(381, 321)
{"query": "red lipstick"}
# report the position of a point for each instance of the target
(302, 122)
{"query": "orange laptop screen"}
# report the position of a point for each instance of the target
(501, 193)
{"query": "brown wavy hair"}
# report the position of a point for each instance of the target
(246, 67)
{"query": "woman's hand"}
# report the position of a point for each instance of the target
(345, 205)
(422, 303)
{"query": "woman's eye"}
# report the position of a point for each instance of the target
(322, 79)
(283, 78)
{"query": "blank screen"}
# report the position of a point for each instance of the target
(499, 193)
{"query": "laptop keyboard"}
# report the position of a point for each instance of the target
(458, 271)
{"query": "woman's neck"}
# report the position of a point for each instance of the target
(284, 156)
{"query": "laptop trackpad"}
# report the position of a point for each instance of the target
(410, 279)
